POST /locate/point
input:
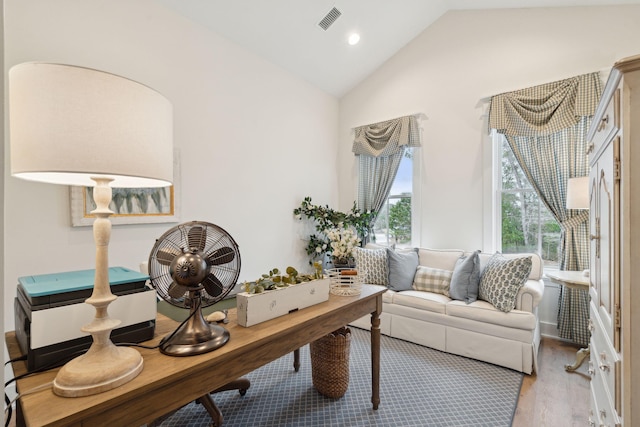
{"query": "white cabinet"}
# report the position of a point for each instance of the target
(614, 160)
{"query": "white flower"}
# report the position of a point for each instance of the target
(298, 216)
(342, 242)
(318, 249)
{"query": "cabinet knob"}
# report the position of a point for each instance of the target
(603, 122)
(590, 148)
(594, 237)
(604, 366)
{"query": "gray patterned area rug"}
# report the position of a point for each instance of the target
(419, 386)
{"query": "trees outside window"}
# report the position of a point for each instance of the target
(393, 225)
(526, 223)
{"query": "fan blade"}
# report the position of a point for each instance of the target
(221, 256)
(166, 256)
(176, 291)
(212, 285)
(197, 237)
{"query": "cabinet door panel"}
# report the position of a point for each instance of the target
(607, 222)
(594, 224)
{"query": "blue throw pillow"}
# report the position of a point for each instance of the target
(466, 278)
(402, 269)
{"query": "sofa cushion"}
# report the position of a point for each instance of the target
(485, 312)
(374, 264)
(402, 268)
(422, 300)
(444, 259)
(501, 280)
(466, 278)
(429, 279)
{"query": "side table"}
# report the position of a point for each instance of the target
(573, 280)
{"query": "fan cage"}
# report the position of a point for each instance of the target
(208, 238)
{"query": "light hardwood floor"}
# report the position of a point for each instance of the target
(554, 397)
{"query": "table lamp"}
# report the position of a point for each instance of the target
(578, 197)
(578, 193)
(71, 125)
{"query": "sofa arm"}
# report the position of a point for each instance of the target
(529, 295)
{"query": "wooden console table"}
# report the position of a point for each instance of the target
(167, 383)
(573, 280)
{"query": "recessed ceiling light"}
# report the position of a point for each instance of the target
(354, 39)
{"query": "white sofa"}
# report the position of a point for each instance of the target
(477, 330)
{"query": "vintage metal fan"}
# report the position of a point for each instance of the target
(194, 265)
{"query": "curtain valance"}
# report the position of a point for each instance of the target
(386, 138)
(547, 108)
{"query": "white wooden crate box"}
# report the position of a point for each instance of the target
(257, 308)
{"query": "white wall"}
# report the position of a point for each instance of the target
(445, 72)
(254, 140)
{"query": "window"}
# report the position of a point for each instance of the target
(525, 224)
(393, 227)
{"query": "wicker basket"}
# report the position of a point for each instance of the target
(346, 281)
(330, 363)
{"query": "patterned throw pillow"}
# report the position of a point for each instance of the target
(432, 280)
(374, 264)
(501, 280)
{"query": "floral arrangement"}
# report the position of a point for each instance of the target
(326, 220)
(342, 241)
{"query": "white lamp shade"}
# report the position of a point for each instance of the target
(68, 124)
(578, 193)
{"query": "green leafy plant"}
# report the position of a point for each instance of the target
(275, 280)
(326, 219)
(400, 220)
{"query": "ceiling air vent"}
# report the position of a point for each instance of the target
(329, 19)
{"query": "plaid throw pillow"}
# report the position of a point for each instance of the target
(432, 280)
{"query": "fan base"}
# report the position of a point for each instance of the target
(187, 343)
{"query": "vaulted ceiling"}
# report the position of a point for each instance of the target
(287, 32)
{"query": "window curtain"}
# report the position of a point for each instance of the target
(546, 127)
(380, 147)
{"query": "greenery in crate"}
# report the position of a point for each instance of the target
(275, 280)
(331, 222)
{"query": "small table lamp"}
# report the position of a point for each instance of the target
(77, 126)
(578, 193)
(578, 197)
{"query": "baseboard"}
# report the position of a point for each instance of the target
(548, 329)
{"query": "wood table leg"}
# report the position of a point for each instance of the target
(581, 356)
(296, 359)
(375, 359)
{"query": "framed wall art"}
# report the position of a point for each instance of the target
(130, 205)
